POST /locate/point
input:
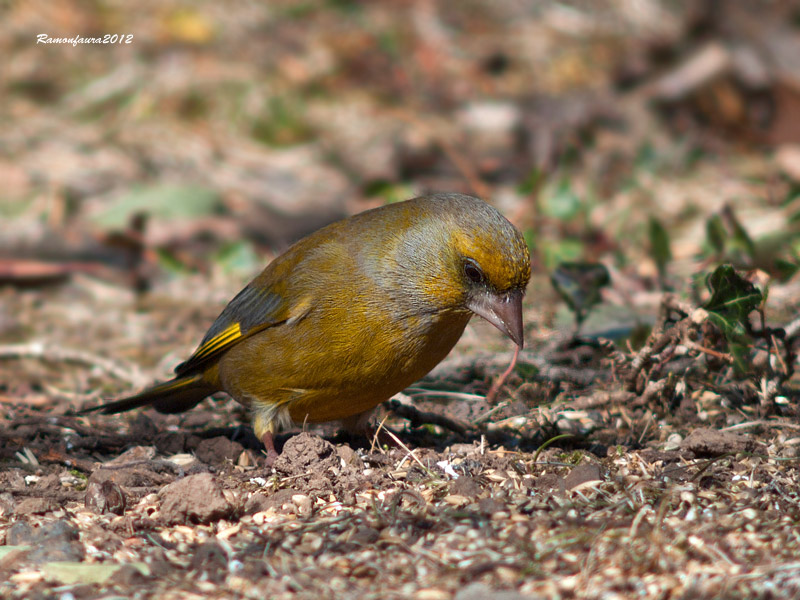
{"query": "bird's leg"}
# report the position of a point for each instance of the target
(264, 427)
(269, 445)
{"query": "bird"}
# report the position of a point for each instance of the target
(354, 313)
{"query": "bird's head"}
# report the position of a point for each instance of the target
(467, 256)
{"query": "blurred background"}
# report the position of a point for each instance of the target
(638, 144)
(142, 183)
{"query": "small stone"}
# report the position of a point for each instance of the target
(465, 486)
(143, 428)
(280, 499)
(673, 442)
(582, 474)
(194, 499)
(431, 594)
(480, 591)
(711, 443)
(137, 476)
(218, 450)
(489, 506)
(349, 456)
(170, 442)
(128, 575)
(105, 497)
(36, 506)
(303, 503)
(256, 503)
(20, 534)
(136, 454)
(55, 541)
(211, 561)
(364, 536)
(463, 449)
(549, 482)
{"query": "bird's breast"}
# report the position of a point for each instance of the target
(336, 363)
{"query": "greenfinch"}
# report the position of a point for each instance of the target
(354, 313)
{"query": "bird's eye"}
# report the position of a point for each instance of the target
(473, 271)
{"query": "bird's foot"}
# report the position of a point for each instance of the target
(269, 446)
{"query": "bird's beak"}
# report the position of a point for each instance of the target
(504, 311)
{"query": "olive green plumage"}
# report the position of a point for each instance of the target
(354, 313)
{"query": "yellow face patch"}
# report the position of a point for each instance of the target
(506, 266)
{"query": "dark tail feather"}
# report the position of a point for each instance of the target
(173, 396)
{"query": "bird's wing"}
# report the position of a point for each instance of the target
(253, 309)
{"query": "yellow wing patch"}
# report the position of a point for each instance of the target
(227, 336)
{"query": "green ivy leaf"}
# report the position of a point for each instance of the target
(562, 203)
(732, 299)
(168, 202)
(659, 245)
(526, 371)
(741, 356)
(238, 257)
(740, 239)
(579, 285)
(785, 269)
(561, 251)
(715, 233)
(171, 263)
(74, 573)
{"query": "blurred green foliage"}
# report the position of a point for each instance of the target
(579, 285)
(732, 300)
(162, 201)
(283, 123)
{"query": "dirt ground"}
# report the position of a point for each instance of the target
(642, 495)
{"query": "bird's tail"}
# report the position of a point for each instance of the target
(173, 396)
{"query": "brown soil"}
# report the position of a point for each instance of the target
(156, 511)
